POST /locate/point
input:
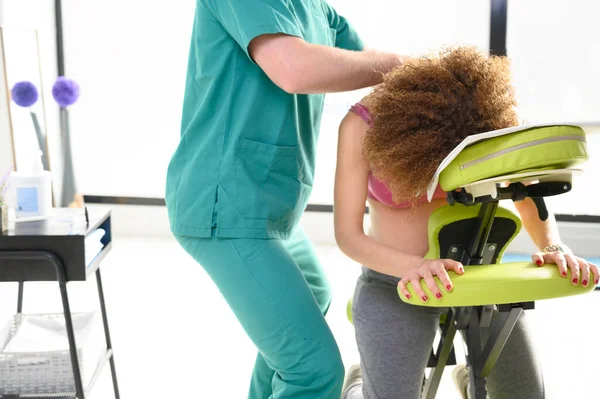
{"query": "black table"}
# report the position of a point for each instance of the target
(54, 250)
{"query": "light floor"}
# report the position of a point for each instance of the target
(174, 336)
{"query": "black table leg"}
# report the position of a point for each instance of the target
(57, 264)
(107, 334)
(69, 325)
(44, 257)
(20, 297)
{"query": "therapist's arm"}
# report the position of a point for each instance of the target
(299, 67)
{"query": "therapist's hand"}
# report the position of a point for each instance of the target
(581, 270)
(426, 270)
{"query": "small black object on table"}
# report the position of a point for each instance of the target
(54, 250)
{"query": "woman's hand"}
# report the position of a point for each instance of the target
(580, 268)
(426, 270)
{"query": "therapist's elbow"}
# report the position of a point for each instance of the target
(281, 58)
(289, 77)
(285, 79)
(292, 84)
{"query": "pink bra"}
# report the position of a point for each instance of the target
(377, 189)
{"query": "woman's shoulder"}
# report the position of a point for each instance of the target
(363, 110)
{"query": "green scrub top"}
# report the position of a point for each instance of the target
(245, 163)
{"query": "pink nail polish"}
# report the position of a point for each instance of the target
(438, 295)
(448, 287)
(596, 281)
(424, 298)
(539, 262)
(575, 281)
(407, 296)
(564, 274)
(584, 283)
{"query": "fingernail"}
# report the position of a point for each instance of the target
(407, 296)
(564, 274)
(575, 281)
(596, 281)
(438, 295)
(462, 270)
(538, 262)
(584, 283)
(448, 287)
(424, 298)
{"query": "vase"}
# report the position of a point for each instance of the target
(3, 218)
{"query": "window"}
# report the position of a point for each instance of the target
(132, 77)
(130, 60)
(556, 64)
(411, 28)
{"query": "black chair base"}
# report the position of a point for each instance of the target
(484, 336)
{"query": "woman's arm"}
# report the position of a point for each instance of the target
(350, 195)
(544, 234)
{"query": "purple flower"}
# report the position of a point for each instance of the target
(65, 91)
(24, 94)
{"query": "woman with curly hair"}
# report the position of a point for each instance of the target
(389, 147)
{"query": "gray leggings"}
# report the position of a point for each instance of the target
(395, 341)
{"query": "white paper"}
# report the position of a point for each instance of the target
(590, 127)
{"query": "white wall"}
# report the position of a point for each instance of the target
(130, 59)
(406, 27)
(5, 141)
(555, 54)
(38, 15)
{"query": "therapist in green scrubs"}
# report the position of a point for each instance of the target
(242, 174)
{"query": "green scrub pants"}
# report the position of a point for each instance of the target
(278, 292)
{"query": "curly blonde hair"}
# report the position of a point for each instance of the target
(426, 107)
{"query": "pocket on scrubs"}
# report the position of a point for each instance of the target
(271, 183)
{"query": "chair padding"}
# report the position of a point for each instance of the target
(501, 284)
(447, 215)
(542, 148)
(349, 311)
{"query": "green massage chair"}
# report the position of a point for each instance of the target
(511, 164)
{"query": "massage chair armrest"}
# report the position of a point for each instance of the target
(500, 284)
